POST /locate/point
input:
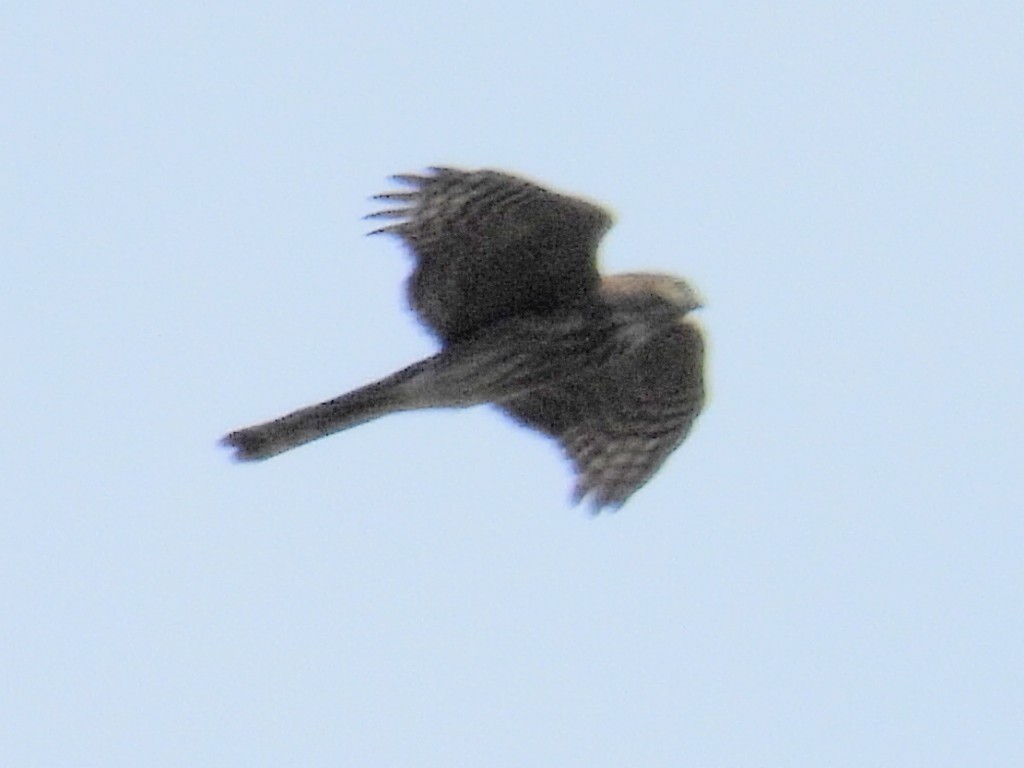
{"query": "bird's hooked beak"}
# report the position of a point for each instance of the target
(685, 296)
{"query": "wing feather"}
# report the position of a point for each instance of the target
(619, 426)
(489, 246)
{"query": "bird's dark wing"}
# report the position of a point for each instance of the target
(619, 426)
(489, 246)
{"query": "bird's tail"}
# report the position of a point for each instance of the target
(500, 364)
(263, 441)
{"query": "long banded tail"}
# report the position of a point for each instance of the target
(503, 363)
(305, 425)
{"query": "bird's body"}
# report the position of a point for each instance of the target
(506, 278)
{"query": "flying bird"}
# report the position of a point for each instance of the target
(506, 279)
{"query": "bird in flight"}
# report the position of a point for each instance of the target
(505, 277)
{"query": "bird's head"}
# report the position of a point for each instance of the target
(644, 286)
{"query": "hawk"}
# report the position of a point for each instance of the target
(506, 278)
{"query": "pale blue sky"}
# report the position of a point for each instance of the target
(830, 572)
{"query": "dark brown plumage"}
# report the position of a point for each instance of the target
(506, 278)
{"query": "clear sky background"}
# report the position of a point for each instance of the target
(830, 572)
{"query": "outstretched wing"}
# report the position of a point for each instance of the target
(620, 426)
(489, 246)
